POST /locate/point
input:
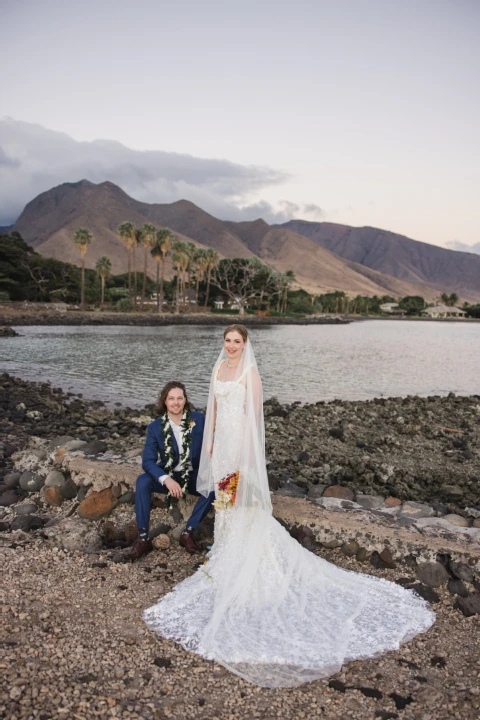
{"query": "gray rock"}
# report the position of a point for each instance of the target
(316, 491)
(40, 454)
(363, 555)
(369, 502)
(291, 490)
(30, 482)
(58, 442)
(457, 520)
(74, 534)
(26, 523)
(440, 509)
(453, 491)
(332, 544)
(75, 445)
(82, 493)
(55, 477)
(95, 447)
(26, 508)
(456, 587)
(426, 592)
(8, 497)
(414, 510)
(473, 512)
(351, 548)
(11, 480)
(336, 504)
(161, 529)
(177, 531)
(69, 490)
(432, 574)
(461, 571)
(470, 605)
(128, 498)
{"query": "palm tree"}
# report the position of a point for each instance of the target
(82, 239)
(126, 230)
(288, 279)
(180, 261)
(103, 267)
(201, 265)
(149, 238)
(213, 262)
(137, 243)
(159, 253)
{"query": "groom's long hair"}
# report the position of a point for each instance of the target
(161, 407)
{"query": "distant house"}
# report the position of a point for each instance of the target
(444, 311)
(221, 304)
(391, 309)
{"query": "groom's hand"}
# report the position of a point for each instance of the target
(173, 487)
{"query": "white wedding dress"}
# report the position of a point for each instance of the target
(268, 609)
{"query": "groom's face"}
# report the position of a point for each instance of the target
(175, 401)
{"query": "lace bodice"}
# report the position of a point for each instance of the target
(229, 428)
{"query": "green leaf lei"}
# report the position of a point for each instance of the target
(186, 427)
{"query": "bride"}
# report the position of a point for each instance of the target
(262, 605)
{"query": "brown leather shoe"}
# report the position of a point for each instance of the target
(139, 548)
(187, 541)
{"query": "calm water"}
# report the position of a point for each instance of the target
(306, 363)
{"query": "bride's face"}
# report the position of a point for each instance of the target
(234, 344)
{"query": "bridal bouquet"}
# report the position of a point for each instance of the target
(227, 491)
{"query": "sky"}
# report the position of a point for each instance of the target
(363, 112)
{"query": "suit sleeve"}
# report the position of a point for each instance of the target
(150, 456)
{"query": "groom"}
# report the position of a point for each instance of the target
(177, 437)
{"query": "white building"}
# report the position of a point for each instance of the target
(444, 311)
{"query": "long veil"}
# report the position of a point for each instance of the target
(253, 490)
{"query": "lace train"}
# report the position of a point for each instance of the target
(288, 617)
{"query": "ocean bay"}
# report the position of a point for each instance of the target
(359, 361)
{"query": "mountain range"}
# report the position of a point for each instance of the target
(323, 256)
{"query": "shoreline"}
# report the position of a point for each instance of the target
(77, 318)
(18, 318)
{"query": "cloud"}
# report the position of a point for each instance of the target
(463, 247)
(34, 159)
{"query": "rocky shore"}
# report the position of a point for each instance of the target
(389, 487)
(19, 317)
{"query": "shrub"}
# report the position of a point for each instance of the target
(124, 305)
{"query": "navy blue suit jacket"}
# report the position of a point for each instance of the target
(155, 447)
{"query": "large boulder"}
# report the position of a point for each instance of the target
(339, 491)
(54, 477)
(432, 574)
(30, 482)
(12, 479)
(53, 496)
(97, 504)
(26, 523)
(8, 497)
(74, 534)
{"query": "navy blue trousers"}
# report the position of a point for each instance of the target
(144, 488)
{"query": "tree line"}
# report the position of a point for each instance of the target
(201, 277)
(243, 281)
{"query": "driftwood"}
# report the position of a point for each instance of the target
(447, 429)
